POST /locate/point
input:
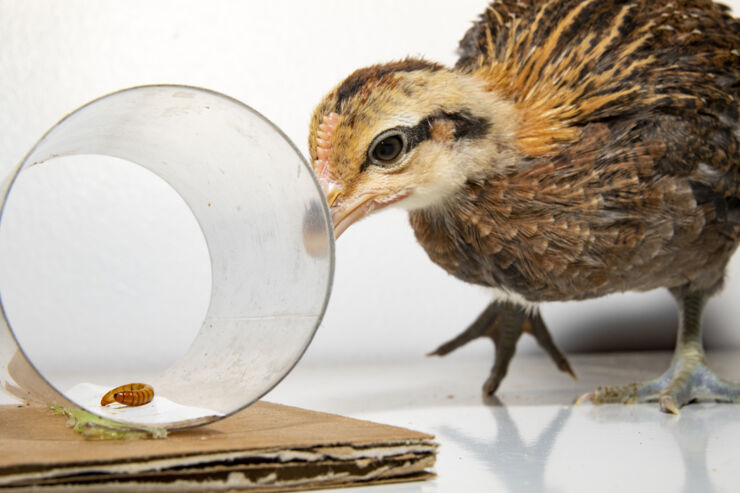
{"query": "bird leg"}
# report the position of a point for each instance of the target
(687, 379)
(504, 323)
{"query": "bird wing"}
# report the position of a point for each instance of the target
(566, 63)
(592, 220)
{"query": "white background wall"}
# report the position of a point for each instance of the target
(281, 57)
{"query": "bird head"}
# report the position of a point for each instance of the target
(408, 133)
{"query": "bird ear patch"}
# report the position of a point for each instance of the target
(443, 131)
(323, 143)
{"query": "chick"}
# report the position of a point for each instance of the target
(578, 148)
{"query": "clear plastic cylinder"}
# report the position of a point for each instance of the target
(266, 226)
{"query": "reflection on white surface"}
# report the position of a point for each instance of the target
(631, 456)
(722, 456)
(532, 439)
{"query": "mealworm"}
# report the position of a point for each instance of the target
(131, 394)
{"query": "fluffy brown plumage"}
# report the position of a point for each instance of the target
(578, 148)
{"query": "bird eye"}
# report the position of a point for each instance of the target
(387, 147)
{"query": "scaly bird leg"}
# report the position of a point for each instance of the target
(687, 379)
(504, 323)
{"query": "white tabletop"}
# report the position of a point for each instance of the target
(531, 438)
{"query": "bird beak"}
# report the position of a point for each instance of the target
(346, 210)
(343, 213)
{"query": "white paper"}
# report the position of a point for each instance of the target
(159, 411)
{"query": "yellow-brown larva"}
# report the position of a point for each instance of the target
(131, 394)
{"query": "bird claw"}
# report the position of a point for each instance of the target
(544, 339)
(687, 379)
(503, 323)
(668, 405)
(627, 394)
(493, 381)
(445, 348)
(588, 396)
(486, 325)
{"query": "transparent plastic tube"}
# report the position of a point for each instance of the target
(267, 230)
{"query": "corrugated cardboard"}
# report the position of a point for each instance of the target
(267, 447)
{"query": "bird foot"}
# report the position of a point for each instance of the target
(504, 323)
(687, 380)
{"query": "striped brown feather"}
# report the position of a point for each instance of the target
(569, 62)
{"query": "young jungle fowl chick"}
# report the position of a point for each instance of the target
(578, 148)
